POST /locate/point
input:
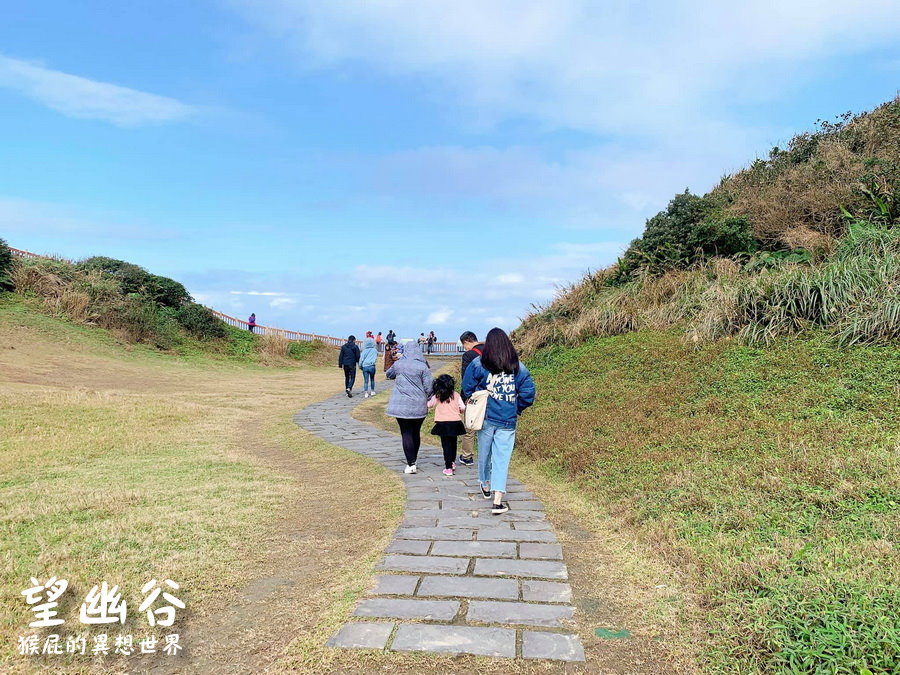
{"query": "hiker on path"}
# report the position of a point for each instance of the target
(409, 400)
(347, 359)
(391, 354)
(251, 322)
(510, 391)
(431, 340)
(379, 342)
(447, 404)
(473, 349)
(367, 361)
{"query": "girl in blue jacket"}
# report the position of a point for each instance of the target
(510, 390)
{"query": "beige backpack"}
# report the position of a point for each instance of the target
(476, 406)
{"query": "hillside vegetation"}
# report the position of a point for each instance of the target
(140, 307)
(803, 239)
(729, 391)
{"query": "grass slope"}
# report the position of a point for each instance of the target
(771, 478)
(119, 463)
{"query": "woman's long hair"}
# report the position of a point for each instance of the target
(499, 355)
(443, 388)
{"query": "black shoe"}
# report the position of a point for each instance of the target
(466, 461)
(349, 395)
(485, 492)
(497, 509)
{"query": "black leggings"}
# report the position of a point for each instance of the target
(448, 443)
(411, 433)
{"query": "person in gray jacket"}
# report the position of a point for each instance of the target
(409, 399)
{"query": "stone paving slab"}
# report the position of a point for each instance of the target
(546, 591)
(425, 563)
(540, 551)
(404, 608)
(409, 546)
(555, 646)
(521, 613)
(469, 587)
(362, 635)
(395, 584)
(479, 581)
(456, 640)
(543, 569)
(484, 549)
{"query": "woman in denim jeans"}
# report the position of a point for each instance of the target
(510, 390)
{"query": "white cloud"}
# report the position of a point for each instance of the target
(653, 68)
(282, 303)
(510, 278)
(274, 293)
(80, 97)
(439, 317)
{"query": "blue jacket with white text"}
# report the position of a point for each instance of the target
(508, 396)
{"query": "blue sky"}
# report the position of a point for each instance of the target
(405, 164)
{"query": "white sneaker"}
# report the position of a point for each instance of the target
(411, 468)
(366, 395)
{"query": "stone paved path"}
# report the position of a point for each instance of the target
(455, 579)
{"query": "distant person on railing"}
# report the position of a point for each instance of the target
(379, 342)
(431, 340)
(391, 336)
(391, 354)
(422, 342)
(347, 359)
(367, 361)
(251, 322)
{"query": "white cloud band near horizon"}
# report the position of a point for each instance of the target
(80, 97)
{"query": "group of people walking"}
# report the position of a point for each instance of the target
(491, 367)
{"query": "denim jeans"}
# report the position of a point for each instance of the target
(495, 447)
(369, 378)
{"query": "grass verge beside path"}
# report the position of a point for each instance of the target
(122, 464)
(770, 478)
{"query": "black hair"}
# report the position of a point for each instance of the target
(499, 355)
(444, 386)
(468, 336)
(352, 338)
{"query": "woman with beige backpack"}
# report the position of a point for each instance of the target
(508, 389)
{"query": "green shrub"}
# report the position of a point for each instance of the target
(6, 263)
(135, 279)
(200, 321)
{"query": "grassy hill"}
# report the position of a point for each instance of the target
(729, 392)
(138, 307)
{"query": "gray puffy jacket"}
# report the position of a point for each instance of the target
(409, 398)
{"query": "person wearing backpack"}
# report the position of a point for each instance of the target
(473, 349)
(510, 390)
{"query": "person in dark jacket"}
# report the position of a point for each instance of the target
(347, 360)
(473, 349)
(510, 391)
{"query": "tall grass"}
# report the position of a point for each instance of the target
(854, 294)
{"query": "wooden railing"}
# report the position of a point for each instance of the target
(439, 348)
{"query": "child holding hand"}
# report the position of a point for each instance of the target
(448, 405)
